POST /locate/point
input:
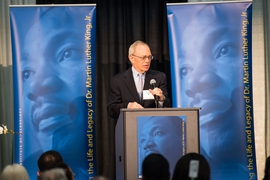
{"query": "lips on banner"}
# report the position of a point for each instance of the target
(210, 49)
(53, 50)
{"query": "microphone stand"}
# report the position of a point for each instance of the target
(153, 84)
(156, 101)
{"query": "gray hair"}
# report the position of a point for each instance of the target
(14, 172)
(133, 46)
(53, 174)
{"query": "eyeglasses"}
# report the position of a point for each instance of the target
(144, 58)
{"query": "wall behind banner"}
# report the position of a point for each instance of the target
(54, 86)
(211, 68)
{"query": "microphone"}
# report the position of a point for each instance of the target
(153, 84)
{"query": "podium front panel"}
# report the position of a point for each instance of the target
(128, 139)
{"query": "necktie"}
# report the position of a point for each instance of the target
(140, 86)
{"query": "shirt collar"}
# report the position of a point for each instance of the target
(135, 72)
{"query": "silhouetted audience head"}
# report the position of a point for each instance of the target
(49, 160)
(53, 174)
(67, 169)
(155, 167)
(182, 168)
(267, 169)
(14, 172)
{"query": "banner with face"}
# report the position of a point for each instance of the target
(54, 58)
(210, 50)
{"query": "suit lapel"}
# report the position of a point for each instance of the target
(129, 82)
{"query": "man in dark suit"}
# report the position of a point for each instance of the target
(124, 91)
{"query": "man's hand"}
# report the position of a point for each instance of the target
(134, 105)
(158, 92)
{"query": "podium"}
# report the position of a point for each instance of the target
(127, 136)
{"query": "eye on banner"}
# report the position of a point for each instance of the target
(210, 49)
(53, 49)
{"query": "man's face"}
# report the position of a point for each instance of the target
(210, 69)
(140, 64)
(161, 135)
(52, 69)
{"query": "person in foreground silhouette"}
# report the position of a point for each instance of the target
(155, 167)
(52, 159)
(53, 174)
(68, 172)
(14, 172)
(185, 166)
(49, 160)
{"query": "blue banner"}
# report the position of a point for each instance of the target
(210, 49)
(54, 55)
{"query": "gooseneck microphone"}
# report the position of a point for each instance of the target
(153, 84)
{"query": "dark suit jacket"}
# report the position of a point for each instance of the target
(123, 90)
